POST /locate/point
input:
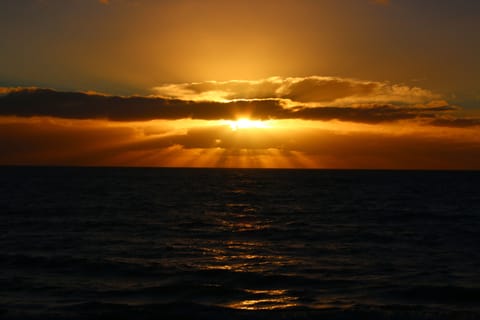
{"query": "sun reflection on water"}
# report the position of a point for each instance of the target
(267, 300)
(243, 253)
(241, 256)
(245, 257)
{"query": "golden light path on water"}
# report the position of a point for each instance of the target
(247, 260)
(277, 299)
(248, 256)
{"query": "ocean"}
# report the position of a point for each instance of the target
(150, 243)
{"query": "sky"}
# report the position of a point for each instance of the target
(357, 84)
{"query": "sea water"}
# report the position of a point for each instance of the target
(145, 243)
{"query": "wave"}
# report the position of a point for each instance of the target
(193, 244)
(186, 310)
(445, 295)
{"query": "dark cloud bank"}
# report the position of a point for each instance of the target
(76, 105)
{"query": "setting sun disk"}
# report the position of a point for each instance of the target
(247, 124)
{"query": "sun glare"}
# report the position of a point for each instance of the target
(247, 124)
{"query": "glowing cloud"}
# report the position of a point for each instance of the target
(299, 144)
(313, 90)
(312, 98)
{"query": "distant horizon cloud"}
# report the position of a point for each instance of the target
(49, 141)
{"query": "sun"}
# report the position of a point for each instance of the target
(245, 123)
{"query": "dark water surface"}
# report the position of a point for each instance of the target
(88, 243)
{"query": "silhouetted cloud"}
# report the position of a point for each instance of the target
(369, 114)
(31, 102)
(456, 122)
(76, 105)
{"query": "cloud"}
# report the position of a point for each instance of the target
(370, 114)
(455, 122)
(76, 105)
(46, 141)
(7, 90)
(309, 98)
(82, 142)
(327, 148)
(313, 90)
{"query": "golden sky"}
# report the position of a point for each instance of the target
(297, 84)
